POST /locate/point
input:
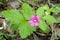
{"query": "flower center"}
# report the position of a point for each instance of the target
(35, 20)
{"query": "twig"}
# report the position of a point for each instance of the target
(41, 34)
(49, 3)
(35, 37)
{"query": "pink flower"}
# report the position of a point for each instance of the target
(34, 20)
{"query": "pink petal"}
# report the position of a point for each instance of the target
(36, 24)
(33, 16)
(38, 18)
(32, 23)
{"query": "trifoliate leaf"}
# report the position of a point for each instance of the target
(27, 11)
(44, 27)
(50, 18)
(55, 9)
(26, 29)
(13, 16)
(14, 26)
(40, 11)
(43, 9)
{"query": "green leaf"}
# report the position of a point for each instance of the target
(47, 9)
(27, 11)
(44, 27)
(47, 12)
(26, 29)
(57, 5)
(14, 26)
(55, 9)
(40, 11)
(50, 18)
(13, 16)
(58, 19)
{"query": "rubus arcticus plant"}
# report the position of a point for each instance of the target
(39, 19)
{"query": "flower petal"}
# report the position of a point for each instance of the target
(33, 16)
(31, 22)
(36, 24)
(38, 18)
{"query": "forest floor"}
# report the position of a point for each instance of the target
(11, 4)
